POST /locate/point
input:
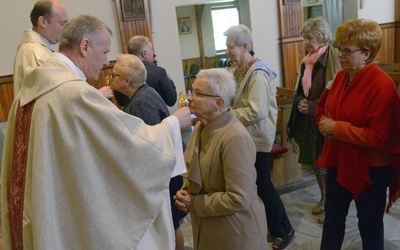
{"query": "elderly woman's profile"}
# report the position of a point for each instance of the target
(219, 188)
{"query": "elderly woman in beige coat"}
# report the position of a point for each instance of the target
(220, 189)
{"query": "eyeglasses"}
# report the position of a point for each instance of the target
(194, 94)
(346, 52)
(113, 75)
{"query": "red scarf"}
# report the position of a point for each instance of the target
(370, 102)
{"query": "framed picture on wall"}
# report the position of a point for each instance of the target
(285, 2)
(312, 1)
(185, 25)
(133, 10)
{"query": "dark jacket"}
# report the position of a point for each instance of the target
(158, 79)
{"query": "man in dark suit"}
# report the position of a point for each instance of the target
(157, 77)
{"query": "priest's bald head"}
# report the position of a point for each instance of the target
(86, 40)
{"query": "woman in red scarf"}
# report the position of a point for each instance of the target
(359, 117)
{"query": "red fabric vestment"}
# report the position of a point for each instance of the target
(18, 173)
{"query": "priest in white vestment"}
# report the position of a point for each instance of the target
(37, 44)
(48, 18)
(77, 172)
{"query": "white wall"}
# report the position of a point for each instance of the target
(265, 28)
(379, 11)
(188, 42)
(208, 32)
(350, 9)
(14, 18)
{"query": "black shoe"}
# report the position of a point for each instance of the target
(282, 243)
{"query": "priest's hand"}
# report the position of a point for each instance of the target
(184, 201)
(107, 92)
(183, 115)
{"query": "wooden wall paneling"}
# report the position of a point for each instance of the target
(292, 19)
(292, 48)
(187, 62)
(209, 62)
(292, 54)
(397, 10)
(130, 28)
(199, 14)
(386, 53)
(397, 39)
(6, 96)
(213, 62)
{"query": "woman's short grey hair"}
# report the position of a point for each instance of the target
(318, 27)
(241, 35)
(131, 67)
(81, 27)
(221, 82)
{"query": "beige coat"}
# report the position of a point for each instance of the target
(255, 106)
(32, 51)
(227, 214)
(96, 177)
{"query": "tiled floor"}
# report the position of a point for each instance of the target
(299, 200)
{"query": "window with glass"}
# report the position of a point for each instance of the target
(223, 17)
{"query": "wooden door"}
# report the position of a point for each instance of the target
(292, 47)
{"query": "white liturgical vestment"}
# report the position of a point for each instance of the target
(33, 51)
(78, 173)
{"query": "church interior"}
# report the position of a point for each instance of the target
(183, 52)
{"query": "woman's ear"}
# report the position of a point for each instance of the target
(367, 54)
(220, 103)
(245, 47)
(128, 82)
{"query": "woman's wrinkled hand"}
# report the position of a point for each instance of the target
(303, 106)
(184, 201)
(327, 127)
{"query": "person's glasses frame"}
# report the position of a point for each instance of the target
(194, 94)
(346, 52)
(113, 75)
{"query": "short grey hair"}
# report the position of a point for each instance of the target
(136, 44)
(221, 82)
(131, 67)
(318, 27)
(241, 35)
(84, 26)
